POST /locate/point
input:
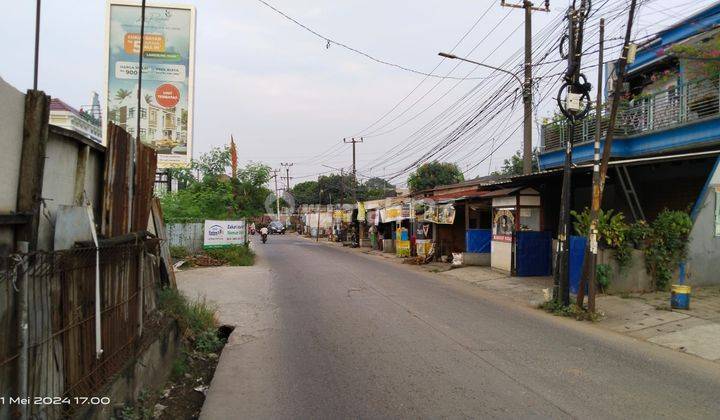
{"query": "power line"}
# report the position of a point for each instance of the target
(329, 41)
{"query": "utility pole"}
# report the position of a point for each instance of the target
(527, 87)
(575, 105)
(37, 44)
(287, 166)
(600, 168)
(277, 196)
(354, 141)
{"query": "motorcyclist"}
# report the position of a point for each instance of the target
(264, 233)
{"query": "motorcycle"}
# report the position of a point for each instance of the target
(264, 237)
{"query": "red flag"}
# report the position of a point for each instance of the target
(233, 156)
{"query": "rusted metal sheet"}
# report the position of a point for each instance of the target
(145, 168)
(117, 203)
(116, 194)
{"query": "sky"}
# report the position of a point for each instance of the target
(287, 96)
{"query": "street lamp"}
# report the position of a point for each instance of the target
(527, 119)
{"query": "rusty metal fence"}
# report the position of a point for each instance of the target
(62, 360)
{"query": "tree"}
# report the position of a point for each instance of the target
(376, 188)
(514, 165)
(305, 192)
(336, 188)
(210, 193)
(122, 94)
(431, 174)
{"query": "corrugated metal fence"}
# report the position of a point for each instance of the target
(187, 235)
(62, 360)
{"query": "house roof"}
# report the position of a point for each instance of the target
(58, 105)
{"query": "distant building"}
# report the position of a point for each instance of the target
(65, 116)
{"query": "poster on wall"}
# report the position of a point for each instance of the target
(166, 104)
(442, 214)
(221, 233)
(503, 225)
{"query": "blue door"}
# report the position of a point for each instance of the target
(533, 254)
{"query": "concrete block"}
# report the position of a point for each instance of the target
(475, 258)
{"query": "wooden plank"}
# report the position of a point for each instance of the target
(32, 164)
(161, 233)
(15, 218)
(80, 171)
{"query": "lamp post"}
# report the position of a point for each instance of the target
(527, 118)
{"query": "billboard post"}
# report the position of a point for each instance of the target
(164, 116)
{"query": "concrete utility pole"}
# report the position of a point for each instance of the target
(354, 170)
(277, 196)
(527, 89)
(287, 166)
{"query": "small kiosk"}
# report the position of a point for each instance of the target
(519, 245)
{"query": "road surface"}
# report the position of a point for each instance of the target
(326, 332)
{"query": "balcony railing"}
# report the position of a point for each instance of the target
(693, 101)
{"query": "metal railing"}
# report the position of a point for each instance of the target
(61, 346)
(694, 101)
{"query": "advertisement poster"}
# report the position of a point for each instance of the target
(220, 233)
(167, 84)
(443, 214)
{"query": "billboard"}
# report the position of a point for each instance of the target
(220, 233)
(166, 109)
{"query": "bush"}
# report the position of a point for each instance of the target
(238, 255)
(603, 276)
(178, 252)
(196, 319)
(667, 246)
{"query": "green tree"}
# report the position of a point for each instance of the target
(121, 94)
(210, 193)
(429, 175)
(305, 192)
(514, 165)
(376, 188)
(336, 187)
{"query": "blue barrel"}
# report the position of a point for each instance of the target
(680, 296)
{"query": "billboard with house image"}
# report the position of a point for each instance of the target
(166, 100)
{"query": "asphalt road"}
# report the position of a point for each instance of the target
(331, 333)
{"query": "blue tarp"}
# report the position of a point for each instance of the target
(534, 254)
(478, 240)
(576, 257)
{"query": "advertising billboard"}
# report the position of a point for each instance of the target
(220, 233)
(166, 109)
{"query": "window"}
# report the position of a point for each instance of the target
(131, 113)
(142, 132)
(143, 112)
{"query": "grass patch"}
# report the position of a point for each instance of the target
(237, 255)
(196, 319)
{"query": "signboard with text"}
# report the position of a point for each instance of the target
(166, 100)
(220, 233)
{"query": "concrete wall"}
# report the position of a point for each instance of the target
(12, 112)
(704, 247)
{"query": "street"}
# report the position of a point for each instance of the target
(324, 332)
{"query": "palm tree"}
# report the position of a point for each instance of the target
(122, 94)
(148, 98)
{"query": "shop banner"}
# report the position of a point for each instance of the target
(221, 233)
(442, 214)
(394, 213)
(166, 109)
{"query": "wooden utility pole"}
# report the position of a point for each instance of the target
(527, 87)
(600, 171)
(354, 141)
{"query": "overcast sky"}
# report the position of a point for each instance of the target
(287, 98)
